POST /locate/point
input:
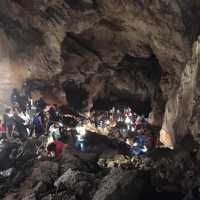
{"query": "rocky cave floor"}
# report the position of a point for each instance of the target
(103, 173)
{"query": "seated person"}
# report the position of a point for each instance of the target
(56, 148)
(138, 146)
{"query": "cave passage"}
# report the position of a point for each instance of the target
(76, 95)
(140, 107)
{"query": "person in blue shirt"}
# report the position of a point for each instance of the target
(138, 146)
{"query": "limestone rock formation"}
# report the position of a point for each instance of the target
(112, 49)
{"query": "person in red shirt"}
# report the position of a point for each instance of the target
(57, 147)
(2, 130)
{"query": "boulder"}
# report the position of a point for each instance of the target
(76, 160)
(119, 184)
(45, 171)
(81, 184)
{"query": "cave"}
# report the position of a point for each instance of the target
(137, 94)
(140, 107)
(82, 58)
(76, 95)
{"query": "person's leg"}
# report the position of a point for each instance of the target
(83, 146)
(9, 131)
(28, 132)
(31, 131)
(77, 144)
(136, 151)
(127, 126)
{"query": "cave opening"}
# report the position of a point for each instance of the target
(141, 107)
(76, 95)
(135, 84)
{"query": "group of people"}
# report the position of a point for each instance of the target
(26, 118)
(133, 129)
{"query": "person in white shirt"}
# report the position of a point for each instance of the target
(27, 119)
(128, 122)
(54, 132)
(25, 116)
(81, 135)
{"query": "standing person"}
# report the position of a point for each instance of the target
(81, 138)
(8, 121)
(112, 112)
(128, 123)
(29, 103)
(20, 128)
(38, 123)
(15, 97)
(138, 123)
(26, 121)
(54, 114)
(2, 130)
(27, 87)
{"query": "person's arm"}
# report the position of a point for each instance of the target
(144, 148)
(135, 144)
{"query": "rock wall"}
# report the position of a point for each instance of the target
(111, 42)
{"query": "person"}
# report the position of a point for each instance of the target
(27, 87)
(120, 118)
(138, 123)
(15, 97)
(128, 122)
(118, 113)
(38, 124)
(40, 104)
(20, 128)
(56, 147)
(26, 121)
(80, 138)
(29, 103)
(112, 112)
(2, 130)
(137, 147)
(54, 114)
(8, 121)
(55, 130)
(129, 141)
